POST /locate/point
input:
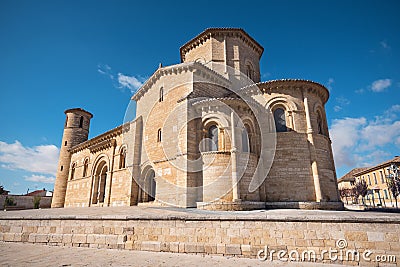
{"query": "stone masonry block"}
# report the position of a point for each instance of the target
(16, 229)
(56, 238)
(174, 247)
(42, 238)
(245, 248)
(376, 236)
(111, 239)
(8, 237)
(121, 239)
(210, 249)
(67, 238)
(151, 246)
(220, 248)
(79, 238)
(32, 238)
(99, 239)
(190, 248)
(231, 249)
(165, 246)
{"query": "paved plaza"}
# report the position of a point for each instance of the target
(20, 255)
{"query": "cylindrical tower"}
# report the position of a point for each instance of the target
(303, 174)
(76, 131)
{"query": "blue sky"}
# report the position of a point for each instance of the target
(56, 55)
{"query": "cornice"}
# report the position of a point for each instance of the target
(79, 110)
(102, 145)
(310, 86)
(101, 139)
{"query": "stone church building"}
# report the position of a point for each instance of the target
(196, 142)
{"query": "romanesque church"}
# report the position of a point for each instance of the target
(207, 134)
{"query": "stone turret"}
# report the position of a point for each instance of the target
(76, 131)
(225, 46)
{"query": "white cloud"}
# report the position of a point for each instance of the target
(130, 82)
(380, 85)
(342, 102)
(379, 134)
(337, 108)
(329, 83)
(345, 135)
(266, 75)
(133, 83)
(361, 142)
(359, 91)
(384, 44)
(105, 70)
(40, 179)
(39, 159)
(394, 108)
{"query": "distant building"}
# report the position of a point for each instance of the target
(38, 193)
(4, 192)
(347, 181)
(376, 178)
(27, 201)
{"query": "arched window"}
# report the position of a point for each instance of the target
(122, 158)
(73, 171)
(280, 121)
(159, 135)
(213, 138)
(249, 71)
(161, 97)
(245, 140)
(66, 121)
(85, 167)
(81, 122)
(320, 123)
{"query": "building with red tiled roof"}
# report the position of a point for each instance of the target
(376, 178)
(38, 193)
(348, 180)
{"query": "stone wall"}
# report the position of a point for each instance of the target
(119, 181)
(25, 202)
(234, 236)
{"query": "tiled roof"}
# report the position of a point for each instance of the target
(381, 165)
(350, 175)
(36, 193)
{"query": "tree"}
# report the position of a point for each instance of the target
(360, 189)
(2, 191)
(345, 193)
(9, 202)
(36, 202)
(342, 194)
(394, 187)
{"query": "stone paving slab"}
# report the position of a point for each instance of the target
(21, 255)
(170, 213)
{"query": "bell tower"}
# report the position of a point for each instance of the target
(232, 47)
(76, 131)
